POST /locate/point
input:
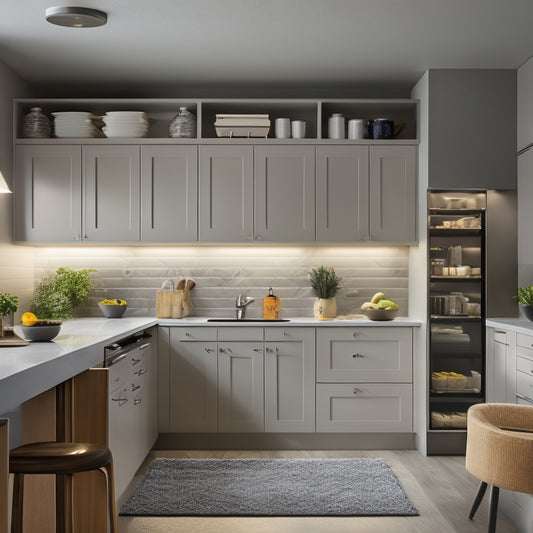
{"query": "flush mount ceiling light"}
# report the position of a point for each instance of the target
(76, 17)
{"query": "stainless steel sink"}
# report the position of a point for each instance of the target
(248, 320)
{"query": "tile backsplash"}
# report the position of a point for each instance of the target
(222, 272)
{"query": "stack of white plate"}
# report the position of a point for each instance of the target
(125, 124)
(75, 124)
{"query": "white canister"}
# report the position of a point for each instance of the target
(298, 129)
(336, 126)
(357, 128)
(283, 128)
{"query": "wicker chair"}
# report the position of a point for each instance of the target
(499, 451)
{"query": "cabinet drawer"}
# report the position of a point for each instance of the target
(286, 334)
(524, 385)
(523, 364)
(501, 336)
(193, 334)
(240, 334)
(364, 407)
(364, 354)
(525, 341)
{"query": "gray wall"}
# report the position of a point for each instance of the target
(472, 124)
(16, 263)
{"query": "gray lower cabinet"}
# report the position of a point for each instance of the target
(47, 193)
(366, 194)
(192, 379)
(240, 387)
(226, 194)
(169, 193)
(364, 379)
(290, 379)
(284, 206)
(111, 193)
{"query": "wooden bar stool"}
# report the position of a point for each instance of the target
(62, 459)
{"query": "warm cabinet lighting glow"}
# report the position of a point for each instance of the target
(3, 185)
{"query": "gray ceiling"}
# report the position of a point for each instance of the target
(175, 47)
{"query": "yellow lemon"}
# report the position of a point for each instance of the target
(28, 319)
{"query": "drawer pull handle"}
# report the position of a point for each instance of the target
(357, 355)
(135, 387)
(356, 334)
(257, 350)
(134, 361)
(356, 390)
(285, 334)
(144, 346)
(141, 371)
(137, 401)
(209, 350)
(121, 401)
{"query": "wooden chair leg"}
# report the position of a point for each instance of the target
(64, 504)
(112, 510)
(18, 501)
(493, 512)
(477, 500)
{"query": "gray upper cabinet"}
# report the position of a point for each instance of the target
(342, 188)
(366, 194)
(284, 193)
(169, 193)
(393, 197)
(225, 193)
(111, 193)
(47, 193)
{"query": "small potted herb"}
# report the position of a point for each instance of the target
(326, 285)
(8, 304)
(57, 296)
(525, 301)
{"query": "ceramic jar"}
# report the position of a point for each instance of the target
(383, 128)
(336, 126)
(183, 124)
(36, 125)
(325, 308)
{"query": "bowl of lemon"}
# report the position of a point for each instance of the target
(113, 308)
(380, 308)
(39, 329)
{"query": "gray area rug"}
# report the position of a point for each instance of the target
(269, 487)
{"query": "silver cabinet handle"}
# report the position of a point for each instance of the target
(356, 390)
(257, 350)
(121, 401)
(141, 371)
(135, 361)
(357, 355)
(135, 387)
(355, 334)
(209, 350)
(225, 350)
(137, 401)
(144, 346)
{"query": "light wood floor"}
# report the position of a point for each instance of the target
(439, 487)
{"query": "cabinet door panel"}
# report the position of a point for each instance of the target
(193, 386)
(48, 193)
(393, 193)
(342, 193)
(290, 384)
(364, 354)
(240, 387)
(284, 193)
(364, 407)
(226, 193)
(112, 193)
(169, 193)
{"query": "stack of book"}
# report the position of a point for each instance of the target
(242, 125)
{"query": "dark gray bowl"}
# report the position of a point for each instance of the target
(527, 311)
(112, 311)
(40, 333)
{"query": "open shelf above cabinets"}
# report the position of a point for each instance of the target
(160, 113)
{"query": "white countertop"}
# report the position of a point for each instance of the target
(26, 371)
(518, 324)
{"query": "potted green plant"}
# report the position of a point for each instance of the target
(57, 296)
(326, 285)
(8, 304)
(525, 301)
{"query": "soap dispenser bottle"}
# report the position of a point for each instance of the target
(271, 306)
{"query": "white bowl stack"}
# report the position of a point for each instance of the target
(75, 124)
(125, 124)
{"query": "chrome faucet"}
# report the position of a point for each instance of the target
(240, 305)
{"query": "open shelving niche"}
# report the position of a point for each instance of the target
(161, 112)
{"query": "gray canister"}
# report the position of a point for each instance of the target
(336, 126)
(455, 255)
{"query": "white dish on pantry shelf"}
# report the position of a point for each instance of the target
(243, 131)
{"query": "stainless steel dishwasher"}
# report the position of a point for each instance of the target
(130, 367)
